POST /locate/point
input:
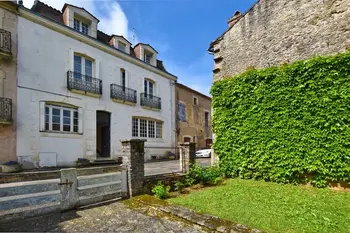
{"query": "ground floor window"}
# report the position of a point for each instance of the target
(61, 119)
(146, 128)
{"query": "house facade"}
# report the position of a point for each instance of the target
(8, 80)
(193, 117)
(275, 32)
(81, 91)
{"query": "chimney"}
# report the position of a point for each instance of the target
(236, 16)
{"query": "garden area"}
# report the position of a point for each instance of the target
(273, 207)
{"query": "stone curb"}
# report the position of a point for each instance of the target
(210, 222)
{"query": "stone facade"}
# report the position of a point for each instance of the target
(191, 126)
(274, 32)
(8, 80)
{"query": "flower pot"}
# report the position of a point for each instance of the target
(10, 168)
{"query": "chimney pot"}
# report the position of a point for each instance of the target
(236, 16)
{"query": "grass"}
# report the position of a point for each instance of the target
(274, 207)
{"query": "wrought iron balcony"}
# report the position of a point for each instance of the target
(5, 42)
(123, 93)
(150, 101)
(80, 82)
(5, 110)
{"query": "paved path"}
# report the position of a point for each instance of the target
(115, 217)
(153, 168)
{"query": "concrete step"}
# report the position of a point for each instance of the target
(88, 200)
(104, 162)
(18, 201)
(99, 178)
(29, 211)
(20, 188)
(102, 188)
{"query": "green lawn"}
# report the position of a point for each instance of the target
(274, 207)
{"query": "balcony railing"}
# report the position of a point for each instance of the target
(123, 93)
(150, 101)
(5, 109)
(80, 82)
(5, 41)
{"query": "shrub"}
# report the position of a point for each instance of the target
(161, 191)
(179, 186)
(286, 124)
(206, 176)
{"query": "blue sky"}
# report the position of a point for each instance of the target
(180, 30)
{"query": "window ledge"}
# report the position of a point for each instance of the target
(152, 109)
(123, 102)
(60, 134)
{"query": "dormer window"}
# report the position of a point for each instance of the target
(121, 46)
(81, 27)
(148, 58)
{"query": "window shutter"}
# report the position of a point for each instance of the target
(42, 116)
(80, 120)
(97, 68)
(71, 60)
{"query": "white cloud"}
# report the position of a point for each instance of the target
(112, 17)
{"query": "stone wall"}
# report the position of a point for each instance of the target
(274, 32)
(194, 126)
(8, 82)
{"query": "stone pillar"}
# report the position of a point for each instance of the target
(68, 188)
(187, 156)
(134, 162)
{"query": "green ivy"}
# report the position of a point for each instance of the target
(286, 124)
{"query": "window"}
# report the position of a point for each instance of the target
(77, 25)
(206, 119)
(121, 46)
(146, 128)
(85, 28)
(61, 119)
(81, 27)
(122, 78)
(181, 115)
(195, 101)
(187, 139)
(148, 88)
(148, 58)
(83, 66)
(135, 127)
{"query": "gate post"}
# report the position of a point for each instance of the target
(134, 161)
(187, 156)
(68, 188)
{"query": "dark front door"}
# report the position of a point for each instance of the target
(103, 134)
(106, 141)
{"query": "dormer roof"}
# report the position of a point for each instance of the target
(121, 37)
(81, 8)
(146, 45)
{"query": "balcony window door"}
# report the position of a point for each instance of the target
(83, 68)
(149, 88)
(123, 79)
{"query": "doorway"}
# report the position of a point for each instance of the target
(103, 134)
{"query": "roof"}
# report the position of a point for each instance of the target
(121, 37)
(82, 8)
(192, 90)
(228, 29)
(53, 14)
(146, 45)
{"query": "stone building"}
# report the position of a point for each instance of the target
(86, 90)
(274, 32)
(8, 80)
(193, 117)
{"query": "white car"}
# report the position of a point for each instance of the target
(205, 153)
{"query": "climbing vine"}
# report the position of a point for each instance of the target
(286, 124)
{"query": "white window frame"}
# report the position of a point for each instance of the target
(148, 121)
(61, 108)
(148, 56)
(83, 59)
(148, 81)
(80, 24)
(119, 43)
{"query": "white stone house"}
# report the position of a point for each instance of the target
(81, 91)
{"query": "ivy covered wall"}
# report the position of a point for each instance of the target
(286, 124)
